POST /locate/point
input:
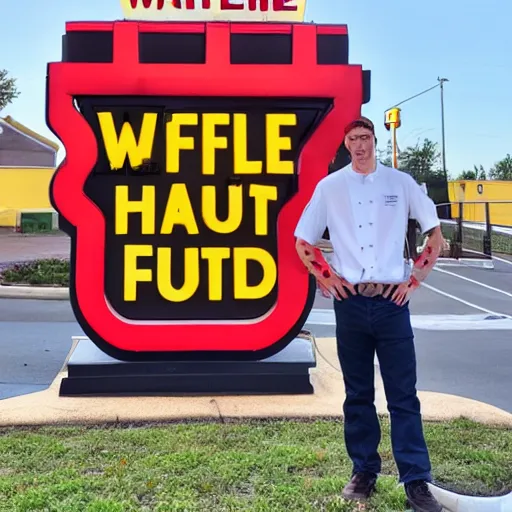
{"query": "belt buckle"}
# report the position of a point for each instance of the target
(368, 290)
(371, 290)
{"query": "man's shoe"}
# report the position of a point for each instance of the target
(360, 487)
(419, 497)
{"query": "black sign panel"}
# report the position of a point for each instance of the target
(191, 225)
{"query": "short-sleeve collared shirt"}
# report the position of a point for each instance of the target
(367, 218)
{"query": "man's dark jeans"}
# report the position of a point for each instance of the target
(364, 326)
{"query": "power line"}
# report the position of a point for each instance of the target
(415, 96)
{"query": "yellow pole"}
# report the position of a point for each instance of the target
(392, 122)
(395, 148)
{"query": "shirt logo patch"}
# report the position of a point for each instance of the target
(390, 200)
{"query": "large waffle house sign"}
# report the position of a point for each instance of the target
(191, 151)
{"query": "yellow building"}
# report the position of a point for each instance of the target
(27, 163)
(475, 193)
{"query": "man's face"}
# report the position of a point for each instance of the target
(360, 143)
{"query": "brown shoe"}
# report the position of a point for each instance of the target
(360, 487)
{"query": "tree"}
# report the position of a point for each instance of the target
(385, 156)
(8, 89)
(423, 162)
(502, 170)
(478, 173)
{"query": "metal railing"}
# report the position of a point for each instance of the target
(473, 229)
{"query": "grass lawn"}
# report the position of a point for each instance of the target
(275, 466)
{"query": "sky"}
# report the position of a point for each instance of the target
(407, 45)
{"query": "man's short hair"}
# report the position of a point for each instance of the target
(360, 122)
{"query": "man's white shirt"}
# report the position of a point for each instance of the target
(367, 218)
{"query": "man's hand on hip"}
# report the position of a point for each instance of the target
(334, 286)
(329, 282)
(422, 266)
(404, 291)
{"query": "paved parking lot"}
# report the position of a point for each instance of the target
(462, 318)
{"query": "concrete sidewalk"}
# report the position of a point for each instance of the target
(47, 408)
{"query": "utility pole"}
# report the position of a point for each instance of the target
(441, 82)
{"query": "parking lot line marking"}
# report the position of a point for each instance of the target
(497, 258)
(441, 322)
(473, 281)
(503, 260)
(458, 299)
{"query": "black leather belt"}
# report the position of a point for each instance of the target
(374, 289)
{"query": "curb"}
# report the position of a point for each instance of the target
(47, 407)
(33, 292)
(466, 262)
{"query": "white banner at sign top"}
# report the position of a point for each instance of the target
(286, 11)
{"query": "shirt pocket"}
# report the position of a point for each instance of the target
(392, 212)
(391, 200)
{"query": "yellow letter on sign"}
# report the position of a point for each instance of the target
(241, 256)
(262, 195)
(211, 142)
(235, 209)
(132, 274)
(215, 257)
(241, 163)
(190, 272)
(118, 148)
(146, 207)
(179, 211)
(175, 142)
(277, 143)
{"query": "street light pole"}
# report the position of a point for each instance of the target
(395, 147)
(441, 82)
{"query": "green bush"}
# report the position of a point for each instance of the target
(46, 272)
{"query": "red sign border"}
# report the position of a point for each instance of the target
(126, 76)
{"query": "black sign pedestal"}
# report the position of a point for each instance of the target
(92, 372)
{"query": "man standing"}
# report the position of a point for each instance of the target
(366, 207)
